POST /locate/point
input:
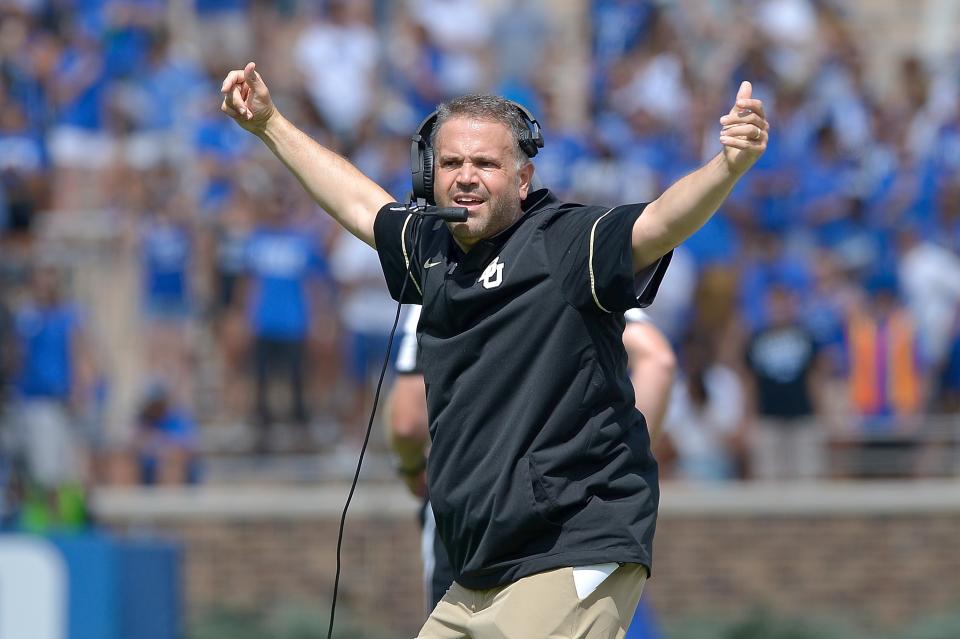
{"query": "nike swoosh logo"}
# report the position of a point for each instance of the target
(429, 264)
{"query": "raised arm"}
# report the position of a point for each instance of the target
(691, 201)
(348, 195)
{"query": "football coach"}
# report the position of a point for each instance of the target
(541, 478)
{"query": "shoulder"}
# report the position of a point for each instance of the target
(569, 217)
(396, 223)
(573, 217)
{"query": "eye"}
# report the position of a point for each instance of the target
(449, 163)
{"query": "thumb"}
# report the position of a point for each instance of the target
(250, 74)
(744, 93)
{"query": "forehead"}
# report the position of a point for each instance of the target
(465, 136)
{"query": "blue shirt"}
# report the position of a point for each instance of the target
(45, 338)
(84, 109)
(281, 263)
(556, 160)
(166, 262)
(176, 426)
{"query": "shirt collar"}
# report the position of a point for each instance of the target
(487, 248)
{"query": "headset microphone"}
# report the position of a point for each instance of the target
(445, 213)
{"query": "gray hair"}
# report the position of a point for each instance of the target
(490, 108)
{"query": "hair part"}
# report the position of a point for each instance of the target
(490, 108)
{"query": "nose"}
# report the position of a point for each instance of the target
(466, 175)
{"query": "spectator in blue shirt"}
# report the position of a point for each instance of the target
(6, 345)
(167, 250)
(284, 269)
(52, 376)
(166, 440)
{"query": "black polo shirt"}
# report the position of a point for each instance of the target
(539, 459)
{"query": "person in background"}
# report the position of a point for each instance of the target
(928, 274)
(888, 381)
(948, 397)
(166, 442)
(783, 376)
(7, 337)
(8, 476)
(705, 414)
(168, 257)
(284, 270)
(366, 315)
(652, 365)
(228, 241)
(53, 376)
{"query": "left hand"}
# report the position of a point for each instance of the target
(247, 99)
(745, 131)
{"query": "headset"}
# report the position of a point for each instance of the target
(421, 153)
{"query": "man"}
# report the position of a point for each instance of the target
(283, 290)
(541, 478)
(784, 375)
(652, 365)
(53, 375)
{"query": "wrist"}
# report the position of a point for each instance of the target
(735, 164)
(271, 126)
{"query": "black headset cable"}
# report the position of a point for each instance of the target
(373, 413)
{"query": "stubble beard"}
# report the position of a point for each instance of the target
(503, 211)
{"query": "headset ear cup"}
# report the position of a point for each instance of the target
(421, 160)
(428, 175)
(531, 141)
(528, 146)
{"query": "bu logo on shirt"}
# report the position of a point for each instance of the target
(493, 274)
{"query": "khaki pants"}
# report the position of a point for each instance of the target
(539, 606)
(788, 449)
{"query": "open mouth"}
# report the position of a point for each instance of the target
(468, 201)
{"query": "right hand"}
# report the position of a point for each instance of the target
(247, 99)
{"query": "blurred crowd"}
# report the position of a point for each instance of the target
(815, 314)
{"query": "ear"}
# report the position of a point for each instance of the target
(526, 179)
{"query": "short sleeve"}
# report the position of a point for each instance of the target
(408, 354)
(636, 316)
(393, 232)
(592, 255)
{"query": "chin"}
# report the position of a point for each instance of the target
(466, 232)
(462, 230)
